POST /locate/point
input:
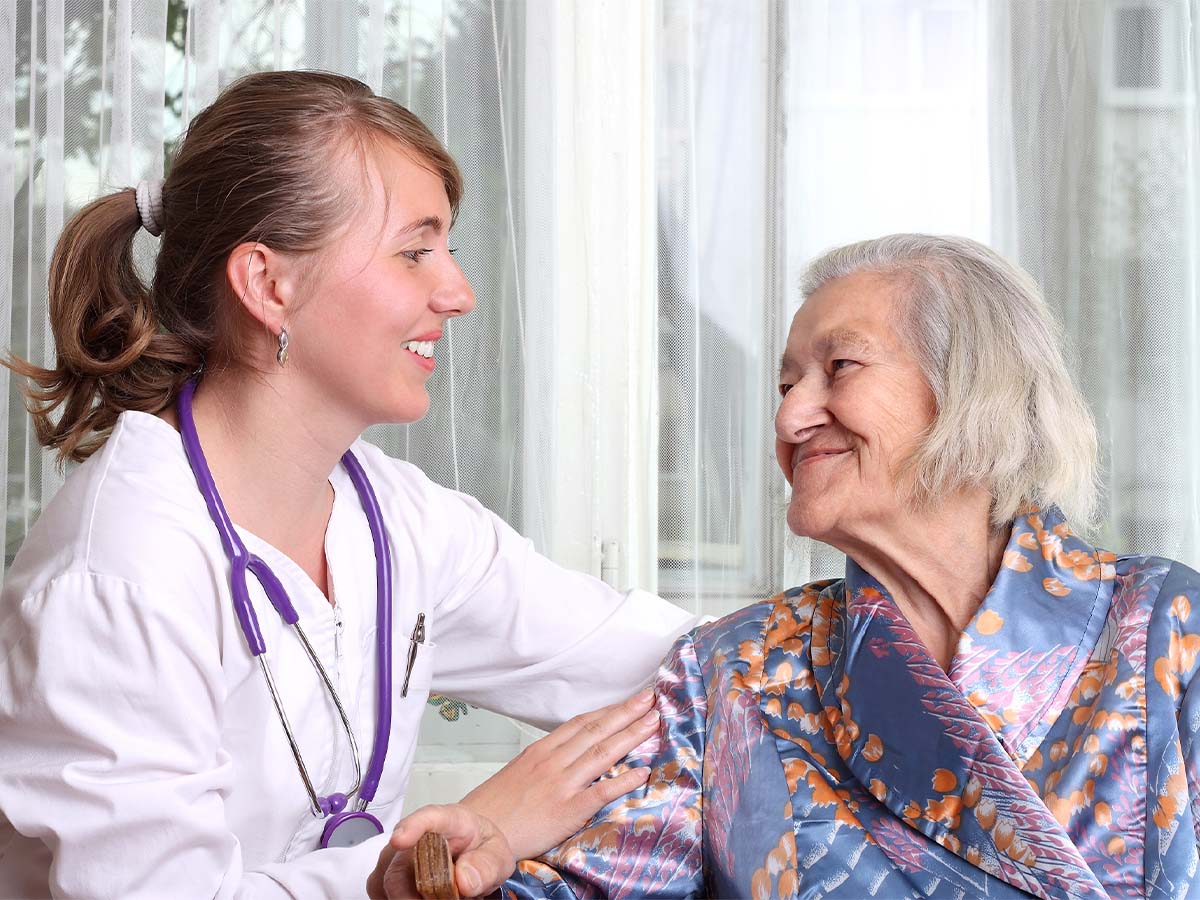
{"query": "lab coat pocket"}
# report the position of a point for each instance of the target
(418, 675)
(408, 706)
(415, 668)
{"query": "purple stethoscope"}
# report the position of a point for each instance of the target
(346, 827)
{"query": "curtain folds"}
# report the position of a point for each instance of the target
(82, 112)
(644, 186)
(1095, 145)
(8, 244)
(722, 300)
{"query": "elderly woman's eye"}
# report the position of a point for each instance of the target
(838, 364)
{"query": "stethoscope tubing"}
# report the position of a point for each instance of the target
(239, 556)
(383, 625)
(241, 561)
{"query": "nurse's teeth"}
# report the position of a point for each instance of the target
(421, 348)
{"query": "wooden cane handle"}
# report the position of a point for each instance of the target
(435, 868)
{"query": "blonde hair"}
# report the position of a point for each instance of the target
(253, 166)
(1009, 417)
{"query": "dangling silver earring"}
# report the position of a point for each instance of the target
(281, 356)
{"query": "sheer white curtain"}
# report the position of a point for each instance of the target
(783, 130)
(644, 183)
(82, 101)
(1061, 132)
(721, 297)
(1096, 156)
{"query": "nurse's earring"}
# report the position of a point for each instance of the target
(281, 356)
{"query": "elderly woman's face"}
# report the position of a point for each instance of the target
(855, 404)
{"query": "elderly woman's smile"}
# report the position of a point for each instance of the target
(855, 404)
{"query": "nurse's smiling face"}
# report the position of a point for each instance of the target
(854, 406)
(377, 298)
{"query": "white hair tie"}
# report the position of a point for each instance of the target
(150, 205)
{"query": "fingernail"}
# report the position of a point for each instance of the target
(650, 718)
(645, 696)
(469, 879)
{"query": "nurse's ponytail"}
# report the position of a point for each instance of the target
(111, 354)
(254, 166)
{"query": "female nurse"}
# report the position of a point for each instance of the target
(219, 637)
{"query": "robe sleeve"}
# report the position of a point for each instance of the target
(1189, 735)
(1180, 666)
(648, 843)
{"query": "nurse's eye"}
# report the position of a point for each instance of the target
(415, 255)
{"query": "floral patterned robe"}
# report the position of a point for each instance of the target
(811, 747)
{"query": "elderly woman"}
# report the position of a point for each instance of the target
(986, 704)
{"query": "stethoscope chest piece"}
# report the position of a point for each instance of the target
(347, 829)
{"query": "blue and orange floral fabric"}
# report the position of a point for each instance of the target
(811, 747)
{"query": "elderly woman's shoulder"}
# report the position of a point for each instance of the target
(1154, 623)
(1157, 590)
(756, 628)
(1153, 582)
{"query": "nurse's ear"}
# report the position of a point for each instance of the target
(265, 281)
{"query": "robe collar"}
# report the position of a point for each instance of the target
(943, 752)
(1027, 644)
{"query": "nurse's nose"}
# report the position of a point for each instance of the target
(453, 295)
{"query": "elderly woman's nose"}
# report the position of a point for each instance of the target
(802, 408)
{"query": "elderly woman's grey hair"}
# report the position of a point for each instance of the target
(1009, 417)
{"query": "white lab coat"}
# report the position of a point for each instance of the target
(140, 755)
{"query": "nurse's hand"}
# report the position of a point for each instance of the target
(549, 791)
(482, 859)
